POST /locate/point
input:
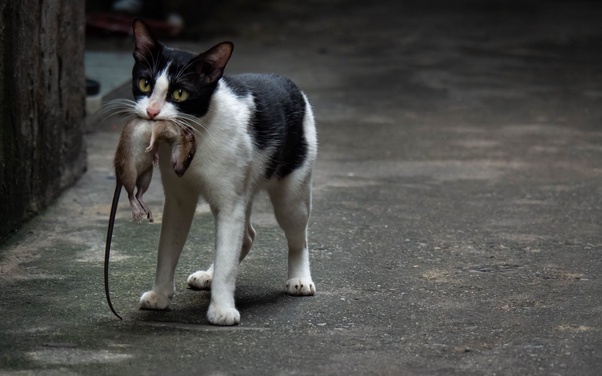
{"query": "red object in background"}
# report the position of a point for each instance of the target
(106, 22)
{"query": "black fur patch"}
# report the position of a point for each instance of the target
(277, 124)
(182, 75)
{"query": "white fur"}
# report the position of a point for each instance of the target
(157, 100)
(227, 171)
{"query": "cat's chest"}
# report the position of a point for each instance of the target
(220, 164)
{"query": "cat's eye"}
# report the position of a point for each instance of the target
(144, 85)
(179, 95)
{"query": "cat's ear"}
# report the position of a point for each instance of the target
(211, 63)
(145, 42)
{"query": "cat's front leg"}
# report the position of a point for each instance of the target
(230, 227)
(177, 217)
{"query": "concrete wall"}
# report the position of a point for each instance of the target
(42, 104)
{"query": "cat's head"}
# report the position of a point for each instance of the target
(169, 83)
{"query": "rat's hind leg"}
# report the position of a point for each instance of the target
(292, 205)
(137, 211)
(142, 183)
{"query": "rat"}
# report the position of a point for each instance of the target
(182, 152)
(136, 154)
(134, 163)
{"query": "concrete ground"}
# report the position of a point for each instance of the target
(457, 209)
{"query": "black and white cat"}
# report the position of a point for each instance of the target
(253, 132)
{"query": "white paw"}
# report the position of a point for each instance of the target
(200, 280)
(153, 300)
(222, 315)
(300, 286)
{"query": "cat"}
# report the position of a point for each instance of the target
(253, 132)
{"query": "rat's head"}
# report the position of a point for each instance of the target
(183, 150)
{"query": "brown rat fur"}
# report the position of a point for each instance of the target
(183, 144)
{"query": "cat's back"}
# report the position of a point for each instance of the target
(281, 120)
(267, 86)
(278, 103)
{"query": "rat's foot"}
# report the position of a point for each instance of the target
(137, 215)
(146, 210)
(137, 210)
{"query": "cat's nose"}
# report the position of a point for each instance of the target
(152, 112)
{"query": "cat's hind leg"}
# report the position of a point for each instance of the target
(291, 199)
(249, 235)
(201, 280)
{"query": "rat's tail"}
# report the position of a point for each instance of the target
(108, 245)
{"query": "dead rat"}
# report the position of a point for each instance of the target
(134, 159)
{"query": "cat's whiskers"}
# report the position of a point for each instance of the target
(118, 107)
(188, 122)
(126, 108)
(120, 103)
(181, 74)
(186, 74)
(155, 60)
